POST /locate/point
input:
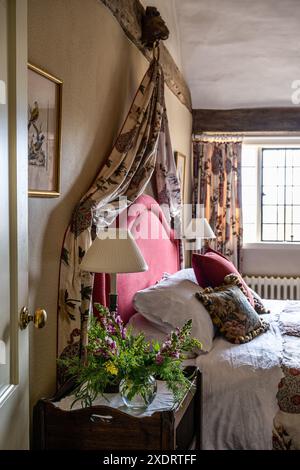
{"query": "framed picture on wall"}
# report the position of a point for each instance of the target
(44, 131)
(180, 165)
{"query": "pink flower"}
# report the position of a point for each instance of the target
(175, 354)
(110, 343)
(111, 329)
(166, 345)
(119, 320)
(159, 359)
(101, 352)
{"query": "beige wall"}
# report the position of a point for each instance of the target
(81, 43)
(271, 259)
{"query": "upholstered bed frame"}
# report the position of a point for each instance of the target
(156, 241)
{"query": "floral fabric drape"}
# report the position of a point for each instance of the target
(217, 186)
(125, 173)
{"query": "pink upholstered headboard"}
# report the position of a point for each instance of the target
(156, 241)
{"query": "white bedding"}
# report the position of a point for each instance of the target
(240, 383)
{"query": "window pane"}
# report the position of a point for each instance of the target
(280, 208)
(296, 176)
(296, 214)
(288, 233)
(281, 177)
(288, 214)
(273, 157)
(249, 195)
(280, 232)
(289, 195)
(293, 157)
(270, 176)
(280, 195)
(280, 214)
(274, 176)
(296, 233)
(289, 158)
(269, 214)
(269, 232)
(289, 176)
(269, 195)
(296, 195)
(292, 233)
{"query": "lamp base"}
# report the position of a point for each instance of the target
(113, 302)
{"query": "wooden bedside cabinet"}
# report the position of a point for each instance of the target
(107, 428)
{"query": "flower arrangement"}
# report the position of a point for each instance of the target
(114, 354)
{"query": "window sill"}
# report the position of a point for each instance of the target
(271, 245)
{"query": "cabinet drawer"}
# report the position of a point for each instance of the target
(94, 428)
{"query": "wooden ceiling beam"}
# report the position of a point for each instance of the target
(129, 14)
(245, 120)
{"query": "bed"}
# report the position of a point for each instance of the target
(251, 391)
(246, 377)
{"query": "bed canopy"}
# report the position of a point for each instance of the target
(142, 149)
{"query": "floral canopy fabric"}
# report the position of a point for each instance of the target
(217, 186)
(142, 146)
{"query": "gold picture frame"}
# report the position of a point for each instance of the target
(180, 160)
(44, 132)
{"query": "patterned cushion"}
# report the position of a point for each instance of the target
(231, 312)
(211, 268)
(258, 303)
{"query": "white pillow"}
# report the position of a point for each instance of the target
(188, 274)
(151, 332)
(171, 302)
(138, 323)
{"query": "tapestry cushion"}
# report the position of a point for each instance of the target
(259, 306)
(211, 268)
(231, 312)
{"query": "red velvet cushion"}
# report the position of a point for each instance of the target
(211, 268)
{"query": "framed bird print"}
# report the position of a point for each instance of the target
(44, 130)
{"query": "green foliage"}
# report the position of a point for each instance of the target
(114, 352)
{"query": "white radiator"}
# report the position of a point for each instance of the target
(275, 287)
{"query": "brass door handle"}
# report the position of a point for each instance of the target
(39, 318)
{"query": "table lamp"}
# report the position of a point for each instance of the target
(113, 251)
(197, 230)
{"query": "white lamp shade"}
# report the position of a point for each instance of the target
(199, 228)
(114, 251)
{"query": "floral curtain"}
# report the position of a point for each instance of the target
(217, 186)
(121, 180)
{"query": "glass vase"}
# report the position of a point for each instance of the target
(138, 398)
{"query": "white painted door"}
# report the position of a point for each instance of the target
(14, 373)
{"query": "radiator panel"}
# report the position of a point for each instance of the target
(275, 287)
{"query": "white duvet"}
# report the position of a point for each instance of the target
(240, 383)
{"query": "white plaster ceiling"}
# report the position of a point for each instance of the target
(239, 53)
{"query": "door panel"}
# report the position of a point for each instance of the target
(4, 211)
(14, 374)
